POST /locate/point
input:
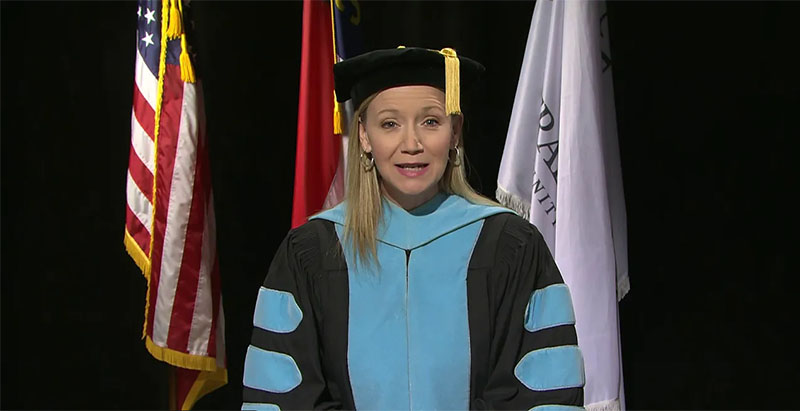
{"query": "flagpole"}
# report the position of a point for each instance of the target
(173, 390)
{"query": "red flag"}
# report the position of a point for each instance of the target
(319, 150)
(169, 229)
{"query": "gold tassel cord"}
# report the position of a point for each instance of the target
(338, 116)
(162, 67)
(452, 87)
(175, 27)
(204, 384)
(187, 72)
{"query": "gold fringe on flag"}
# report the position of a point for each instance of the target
(139, 257)
(181, 359)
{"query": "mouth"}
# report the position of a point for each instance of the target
(412, 166)
(412, 169)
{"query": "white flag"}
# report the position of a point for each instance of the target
(561, 170)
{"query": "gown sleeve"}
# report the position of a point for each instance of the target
(282, 368)
(534, 359)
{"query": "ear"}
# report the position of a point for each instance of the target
(457, 122)
(363, 139)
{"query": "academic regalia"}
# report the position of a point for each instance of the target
(466, 310)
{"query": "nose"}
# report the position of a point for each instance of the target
(411, 143)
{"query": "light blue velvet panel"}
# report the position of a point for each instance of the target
(415, 327)
(411, 229)
(556, 408)
(549, 307)
(439, 321)
(377, 351)
(253, 406)
(276, 311)
(551, 368)
(270, 371)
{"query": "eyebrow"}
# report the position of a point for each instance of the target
(424, 109)
(429, 108)
(388, 110)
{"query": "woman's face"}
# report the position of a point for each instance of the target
(409, 135)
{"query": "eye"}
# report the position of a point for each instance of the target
(431, 122)
(389, 124)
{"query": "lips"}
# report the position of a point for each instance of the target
(412, 166)
(412, 169)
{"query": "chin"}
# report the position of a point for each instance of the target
(414, 188)
(399, 185)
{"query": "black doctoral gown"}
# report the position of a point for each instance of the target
(465, 310)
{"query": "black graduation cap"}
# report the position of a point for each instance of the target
(359, 77)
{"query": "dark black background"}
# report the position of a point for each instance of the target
(707, 108)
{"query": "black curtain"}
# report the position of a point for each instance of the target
(707, 103)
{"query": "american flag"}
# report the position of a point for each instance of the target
(169, 229)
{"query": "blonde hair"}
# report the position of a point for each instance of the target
(363, 193)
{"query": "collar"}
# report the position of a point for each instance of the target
(408, 230)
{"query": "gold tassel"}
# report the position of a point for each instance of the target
(175, 27)
(187, 72)
(452, 88)
(338, 117)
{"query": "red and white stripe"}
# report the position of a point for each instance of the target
(141, 164)
(185, 307)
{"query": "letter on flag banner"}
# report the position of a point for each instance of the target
(321, 121)
(169, 229)
(561, 169)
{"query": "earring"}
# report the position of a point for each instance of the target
(368, 163)
(457, 161)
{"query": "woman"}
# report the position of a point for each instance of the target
(415, 292)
